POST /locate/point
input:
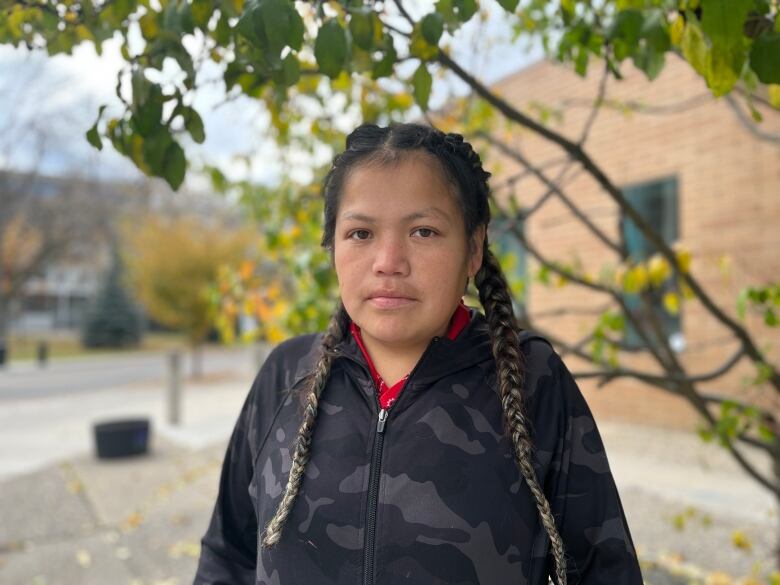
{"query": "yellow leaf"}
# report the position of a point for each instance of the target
(635, 279)
(275, 334)
(132, 521)
(774, 95)
(620, 275)
(659, 269)
(246, 270)
(724, 265)
(672, 303)
(684, 259)
(741, 540)
(718, 578)
(676, 30)
(83, 558)
(184, 548)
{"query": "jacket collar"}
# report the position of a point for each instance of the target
(443, 356)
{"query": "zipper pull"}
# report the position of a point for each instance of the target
(380, 424)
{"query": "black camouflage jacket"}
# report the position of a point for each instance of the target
(424, 493)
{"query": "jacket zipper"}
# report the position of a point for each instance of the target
(369, 549)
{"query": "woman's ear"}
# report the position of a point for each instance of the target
(476, 247)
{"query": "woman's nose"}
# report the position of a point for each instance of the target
(391, 257)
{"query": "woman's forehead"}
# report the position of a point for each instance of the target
(412, 185)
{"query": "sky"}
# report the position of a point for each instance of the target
(48, 103)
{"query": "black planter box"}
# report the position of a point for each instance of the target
(122, 438)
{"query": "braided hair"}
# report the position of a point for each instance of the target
(371, 144)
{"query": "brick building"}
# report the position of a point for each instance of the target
(694, 169)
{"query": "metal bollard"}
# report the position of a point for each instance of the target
(43, 353)
(174, 387)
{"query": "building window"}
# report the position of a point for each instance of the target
(512, 257)
(657, 203)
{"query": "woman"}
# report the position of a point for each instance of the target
(416, 441)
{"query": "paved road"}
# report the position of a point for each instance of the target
(76, 375)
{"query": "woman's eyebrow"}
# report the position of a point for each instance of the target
(428, 212)
(421, 214)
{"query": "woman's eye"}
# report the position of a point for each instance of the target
(425, 232)
(359, 235)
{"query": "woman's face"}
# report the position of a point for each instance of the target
(401, 252)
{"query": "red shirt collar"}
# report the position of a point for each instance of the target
(388, 394)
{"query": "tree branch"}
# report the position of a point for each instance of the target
(599, 175)
(553, 188)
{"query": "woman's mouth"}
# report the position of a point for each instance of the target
(390, 302)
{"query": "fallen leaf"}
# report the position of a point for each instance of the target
(122, 553)
(741, 540)
(718, 578)
(183, 548)
(84, 558)
(132, 521)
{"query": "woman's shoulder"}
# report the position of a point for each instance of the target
(291, 358)
(543, 366)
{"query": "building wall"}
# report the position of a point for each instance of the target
(729, 210)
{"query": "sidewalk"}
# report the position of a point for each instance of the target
(138, 521)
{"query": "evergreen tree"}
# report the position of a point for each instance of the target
(114, 320)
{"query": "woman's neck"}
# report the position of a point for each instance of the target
(393, 363)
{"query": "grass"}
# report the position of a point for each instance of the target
(25, 346)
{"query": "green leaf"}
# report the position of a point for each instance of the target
(432, 26)
(194, 125)
(147, 115)
(278, 24)
(464, 9)
(149, 25)
(246, 26)
(765, 57)
(154, 150)
(140, 86)
(419, 47)
(650, 61)
(627, 26)
(508, 5)
(742, 303)
(201, 12)
(722, 67)
(722, 20)
(175, 165)
(361, 25)
(290, 72)
(94, 138)
(422, 82)
(186, 22)
(330, 48)
(384, 67)
(447, 10)
(694, 48)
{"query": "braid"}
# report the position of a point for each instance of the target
(494, 296)
(337, 330)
